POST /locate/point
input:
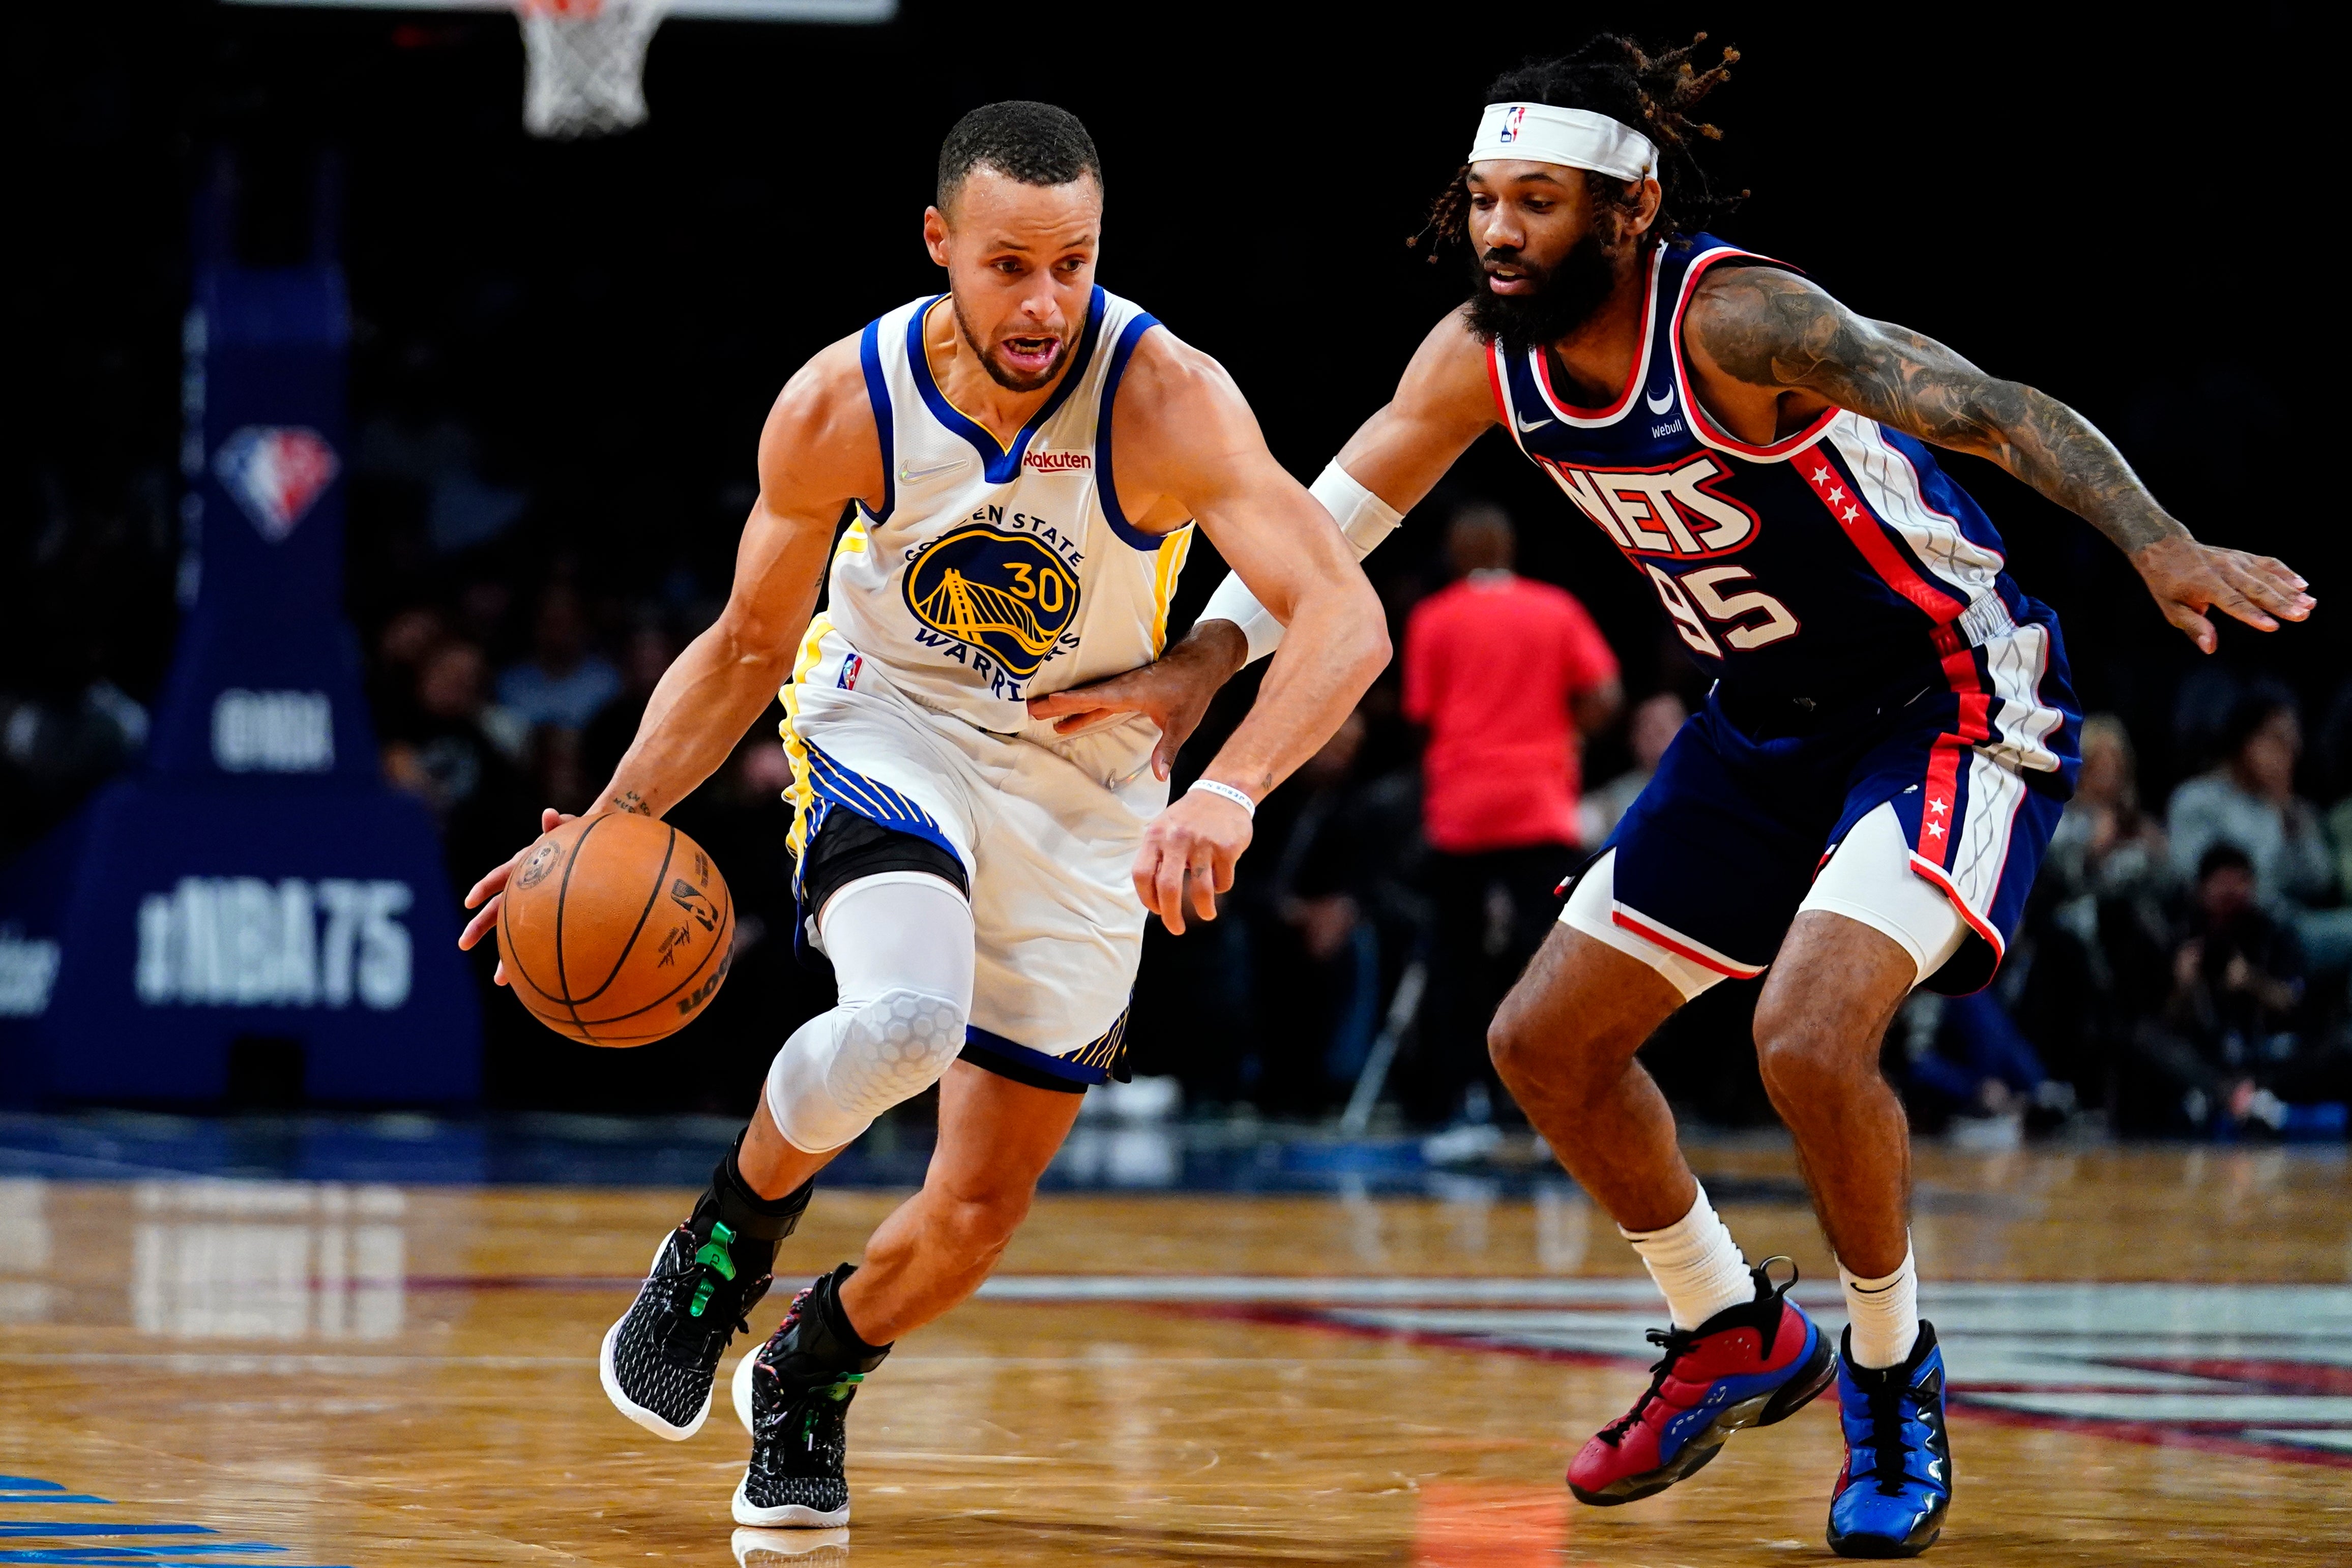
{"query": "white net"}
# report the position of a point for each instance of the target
(586, 63)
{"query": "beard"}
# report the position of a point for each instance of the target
(1567, 294)
(1002, 377)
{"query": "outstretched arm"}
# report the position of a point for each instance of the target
(1188, 445)
(1442, 406)
(817, 452)
(1771, 331)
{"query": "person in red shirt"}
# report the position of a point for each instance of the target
(1505, 676)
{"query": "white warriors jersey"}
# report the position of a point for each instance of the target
(993, 572)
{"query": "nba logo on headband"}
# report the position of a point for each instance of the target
(1573, 138)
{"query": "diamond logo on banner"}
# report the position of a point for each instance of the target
(276, 474)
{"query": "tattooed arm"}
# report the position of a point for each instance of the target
(1771, 350)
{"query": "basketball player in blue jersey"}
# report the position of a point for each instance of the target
(1020, 461)
(1859, 806)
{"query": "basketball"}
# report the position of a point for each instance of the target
(616, 930)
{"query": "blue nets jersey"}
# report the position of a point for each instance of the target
(1832, 565)
(1833, 555)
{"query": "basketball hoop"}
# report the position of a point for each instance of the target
(585, 71)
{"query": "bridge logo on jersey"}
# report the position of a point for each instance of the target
(1004, 594)
(1668, 510)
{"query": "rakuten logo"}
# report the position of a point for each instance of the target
(241, 942)
(1057, 462)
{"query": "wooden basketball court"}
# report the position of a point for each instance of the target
(2151, 1352)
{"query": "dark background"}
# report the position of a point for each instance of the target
(2119, 214)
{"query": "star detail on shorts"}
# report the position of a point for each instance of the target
(1935, 829)
(1850, 514)
(1939, 806)
(1837, 494)
(1821, 474)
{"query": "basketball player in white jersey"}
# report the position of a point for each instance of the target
(1024, 459)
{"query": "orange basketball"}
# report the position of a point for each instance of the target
(616, 930)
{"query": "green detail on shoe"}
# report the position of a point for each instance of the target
(714, 1257)
(839, 1389)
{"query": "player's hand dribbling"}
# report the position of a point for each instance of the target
(2188, 580)
(1197, 839)
(493, 889)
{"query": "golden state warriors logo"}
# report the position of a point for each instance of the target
(1002, 593)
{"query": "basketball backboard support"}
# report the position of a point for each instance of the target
(587, 57)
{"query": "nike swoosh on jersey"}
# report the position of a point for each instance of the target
(1525, 426)
(908, 475)
(1660, 404)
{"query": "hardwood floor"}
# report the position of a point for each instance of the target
(2151, 1353)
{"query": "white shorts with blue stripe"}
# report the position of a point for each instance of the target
(1047, 828)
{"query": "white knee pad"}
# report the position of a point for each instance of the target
(843, 1068)
(893, 1049)
(901, 946)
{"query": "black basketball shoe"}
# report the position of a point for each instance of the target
(658, 1362)
(793, 1393)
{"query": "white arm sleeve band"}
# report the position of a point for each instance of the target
(1363, 517)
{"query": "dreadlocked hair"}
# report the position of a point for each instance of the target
(1614, 75)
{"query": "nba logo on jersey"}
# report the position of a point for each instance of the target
(1512, 118)
(848, 681)
(276, 473)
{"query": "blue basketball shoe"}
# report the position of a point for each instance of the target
(1897, 1481)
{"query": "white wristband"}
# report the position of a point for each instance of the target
(1238, 797)
(1362, 517)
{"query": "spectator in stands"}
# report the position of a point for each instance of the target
(1657, 721)
(2093, 959)
(1343, 922)
(2228, 1031)
(1506, 675)
(1964, 1058)
(409, 636)
(561, 683)
(609, 733)
(2250, 801)
(2106, 845)
(447, 759)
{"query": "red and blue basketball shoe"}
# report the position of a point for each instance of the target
(1897, 1481)
(1748, 1365)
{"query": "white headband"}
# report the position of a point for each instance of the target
(1572, 136)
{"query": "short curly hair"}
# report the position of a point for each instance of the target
(1036, 143)
(1614, 75)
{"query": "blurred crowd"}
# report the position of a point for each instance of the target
(2182, 968)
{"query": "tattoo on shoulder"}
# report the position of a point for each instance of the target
(1771, 328)
(629, 800)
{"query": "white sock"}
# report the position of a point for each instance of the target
(1885, 1314)
(1696, 1263)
